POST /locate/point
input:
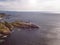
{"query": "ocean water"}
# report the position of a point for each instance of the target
(47, 34)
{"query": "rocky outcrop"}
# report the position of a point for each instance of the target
(4, 29)
(20, 24)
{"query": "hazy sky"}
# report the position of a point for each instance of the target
(41, 5)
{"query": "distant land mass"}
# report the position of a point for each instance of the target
(28, 12)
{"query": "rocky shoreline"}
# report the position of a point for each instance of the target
(7, 27)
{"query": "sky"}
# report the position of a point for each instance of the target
(30, 5)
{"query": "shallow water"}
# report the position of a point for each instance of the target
(47, 34)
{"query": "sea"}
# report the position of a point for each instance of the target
(47, 34)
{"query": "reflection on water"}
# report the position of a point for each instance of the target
(48, 34)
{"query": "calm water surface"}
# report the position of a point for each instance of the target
(47, 34)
